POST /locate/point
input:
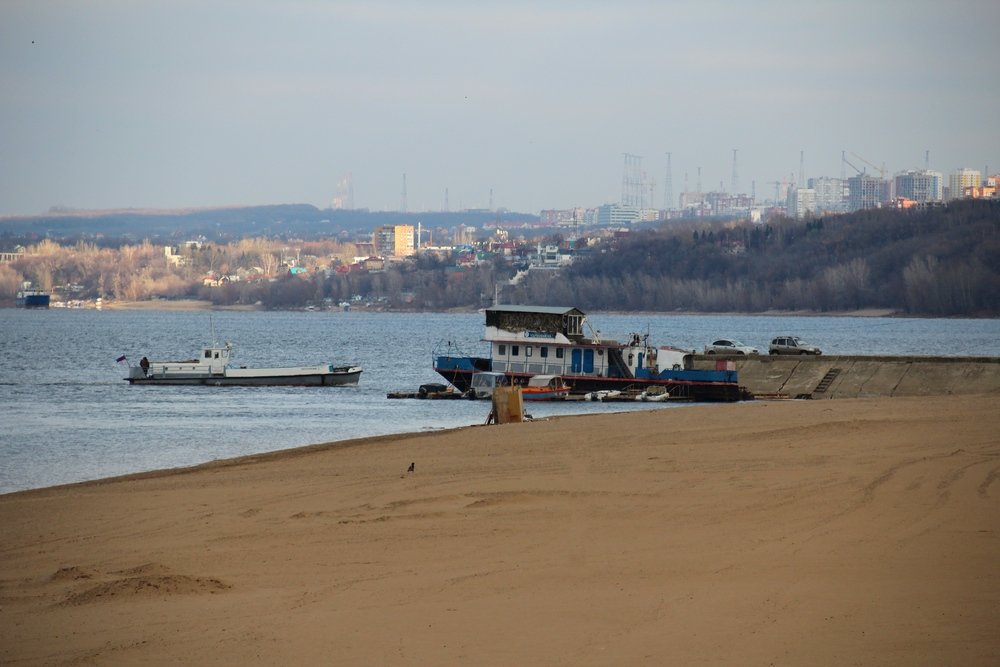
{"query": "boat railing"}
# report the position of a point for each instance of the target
(449, 348)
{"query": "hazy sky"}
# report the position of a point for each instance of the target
(167, 103)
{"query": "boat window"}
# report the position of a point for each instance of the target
(514, 350)
(501, 349)
(574, 325)
(527, 350)
(559, 353)
(543, 351)
(208, 354)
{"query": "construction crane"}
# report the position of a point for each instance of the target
(844, 159)
(881, 170)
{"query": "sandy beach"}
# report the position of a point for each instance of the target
(825, 532)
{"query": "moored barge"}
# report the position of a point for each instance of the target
(29, 298)
(526, 341)
(213, 369)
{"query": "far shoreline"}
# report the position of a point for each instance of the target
(199, 304)
(181, 305)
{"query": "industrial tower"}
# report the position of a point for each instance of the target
(668, 187)
(632, 186)
(736, 179)
(344, 198)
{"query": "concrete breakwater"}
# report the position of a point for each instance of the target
(858, 377)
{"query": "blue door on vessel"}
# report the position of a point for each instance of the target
(582, 361)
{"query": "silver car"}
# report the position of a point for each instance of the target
(792, 345)
(729, 346)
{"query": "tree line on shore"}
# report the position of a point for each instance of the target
(939, 261)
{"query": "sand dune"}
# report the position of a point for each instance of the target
(795, 533)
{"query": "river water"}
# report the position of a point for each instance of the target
(68, 416)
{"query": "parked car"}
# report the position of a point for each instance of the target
(792, 345)
(729, 346)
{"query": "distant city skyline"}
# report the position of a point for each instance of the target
(524, 106)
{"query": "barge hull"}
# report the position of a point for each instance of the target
(460, 375)
(350, 378)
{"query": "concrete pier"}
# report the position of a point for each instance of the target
(858, 377)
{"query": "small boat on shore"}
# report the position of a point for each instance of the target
(653, 395)
(545, 388)
(213, 369)
(602, 395)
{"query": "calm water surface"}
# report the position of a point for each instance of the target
(69, 416)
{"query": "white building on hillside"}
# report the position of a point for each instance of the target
(617, 215)
(801, 202)
(831, 194)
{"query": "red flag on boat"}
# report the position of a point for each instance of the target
(120, 359)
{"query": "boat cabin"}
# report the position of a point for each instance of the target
(537, 321)
(213, 361)
(483, 383)
(216, 358)
(545, 382)
(543, 340)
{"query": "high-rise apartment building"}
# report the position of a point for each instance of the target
(464, 235)
(394, 240)
(801, 202)
(865, 191)
(963, 178)
(920, 185)
(728, 204)
(831, 195)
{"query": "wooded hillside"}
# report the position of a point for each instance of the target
(942, 261)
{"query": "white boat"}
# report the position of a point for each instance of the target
(653, 395)
(538, 388)
(545, 388)
(483, 384)
(213, 368)
(602, 395)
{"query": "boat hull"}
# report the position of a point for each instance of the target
(706, 386)
(550, 395)
(32, 301)
(338, 377)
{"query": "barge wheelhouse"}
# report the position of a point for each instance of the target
(538, 340)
